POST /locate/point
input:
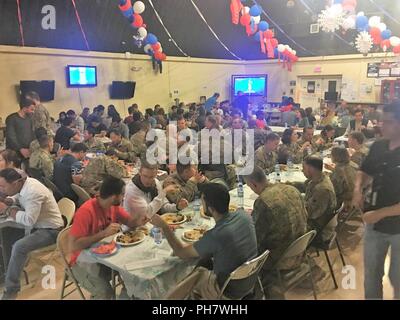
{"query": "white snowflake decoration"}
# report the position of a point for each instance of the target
(364, 42)
(332, 18)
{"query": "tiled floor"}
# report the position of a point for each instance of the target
(351, 241)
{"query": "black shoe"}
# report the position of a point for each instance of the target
(9, 295)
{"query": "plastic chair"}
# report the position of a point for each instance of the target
(291, 279)
(81, 193)
(58, 195)
(69, 278)
(247, 271)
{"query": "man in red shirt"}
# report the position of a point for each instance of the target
(95, 220)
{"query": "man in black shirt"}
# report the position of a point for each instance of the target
(382, 168)
(19, 128)
(65, 133)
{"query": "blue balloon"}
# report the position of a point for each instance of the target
(255, 11)
(256, 37)
(361, 22)
(151, 39)
(276, 53)
(128, 13)
(338, 1)
(386, 34)
(122, 2)
(263, 26)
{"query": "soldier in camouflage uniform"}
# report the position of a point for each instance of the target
(97, 169)
(356, 142)
(290, 147)
(320, 198)
(325, 140)
(343, 176)
(280, 217)
(92, 143)
(266, 156)
(121, 147)
(138, 140)
(41, 159)
(39, 132)
(186, 180)
(308, 141)
(41, 117)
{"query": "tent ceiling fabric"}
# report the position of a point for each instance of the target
(108, 30)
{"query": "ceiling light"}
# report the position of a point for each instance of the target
(290, 3)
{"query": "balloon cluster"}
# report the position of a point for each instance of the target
(250, 18)
(151, 44)
(372, 31)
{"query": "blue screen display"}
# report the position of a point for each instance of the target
(252, 86)
(82, 76)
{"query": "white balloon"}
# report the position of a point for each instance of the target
(374, 21)
(256, 19)
(139, 7)
(294, 52)
(246, 10)
(281, 47)
(337, 8)
(382, 26)
(142, 32)
(287, 47)
(361, 13)
(395, 41)
(147, 48)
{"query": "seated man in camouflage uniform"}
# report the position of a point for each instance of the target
(266, 156)
(358, 149)
(92, 142)
(42, 159)
(343, 177)
(320, 198)
(307, 141)
(186, 180)
(138, 140)
(121, 147)
(280, 217)
(325, 140)
(97, 169)
(39, 132)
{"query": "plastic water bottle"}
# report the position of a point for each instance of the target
(286, 125)
(138, 163)
(290, 163)
(196, 210)
(277, 173)
(309, 151)
(157, 235)
(240, 193)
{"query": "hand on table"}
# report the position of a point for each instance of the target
(12, 212)
(157, 221)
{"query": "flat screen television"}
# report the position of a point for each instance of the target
(81, 76)
(251, 85)
(123, 90)
(45, 89)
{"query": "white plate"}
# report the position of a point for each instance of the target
(187, 239)
(177, 223)
(128, 244)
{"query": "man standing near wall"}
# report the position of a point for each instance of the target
(19, 128)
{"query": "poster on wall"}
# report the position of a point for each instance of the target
(383, 70)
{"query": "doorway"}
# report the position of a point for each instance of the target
(314, 90)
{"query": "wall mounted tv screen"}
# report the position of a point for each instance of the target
(81, 76)
(250, 85)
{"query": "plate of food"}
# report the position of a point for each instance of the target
(130, 238)
(174, 218)
(232, 208)
(105, 249)
(194, 234)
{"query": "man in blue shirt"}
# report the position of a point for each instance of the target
(230, 243)
(211, 102)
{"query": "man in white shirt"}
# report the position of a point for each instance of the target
(145, 196)
(32, 205)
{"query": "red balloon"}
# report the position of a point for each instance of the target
(274, 42)
(164, 57)
(245, 19)
(156, 46)
(385, 43)
(269, 34)
(375, 32)
(396, 50)
(138, 22)
(158, 55)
